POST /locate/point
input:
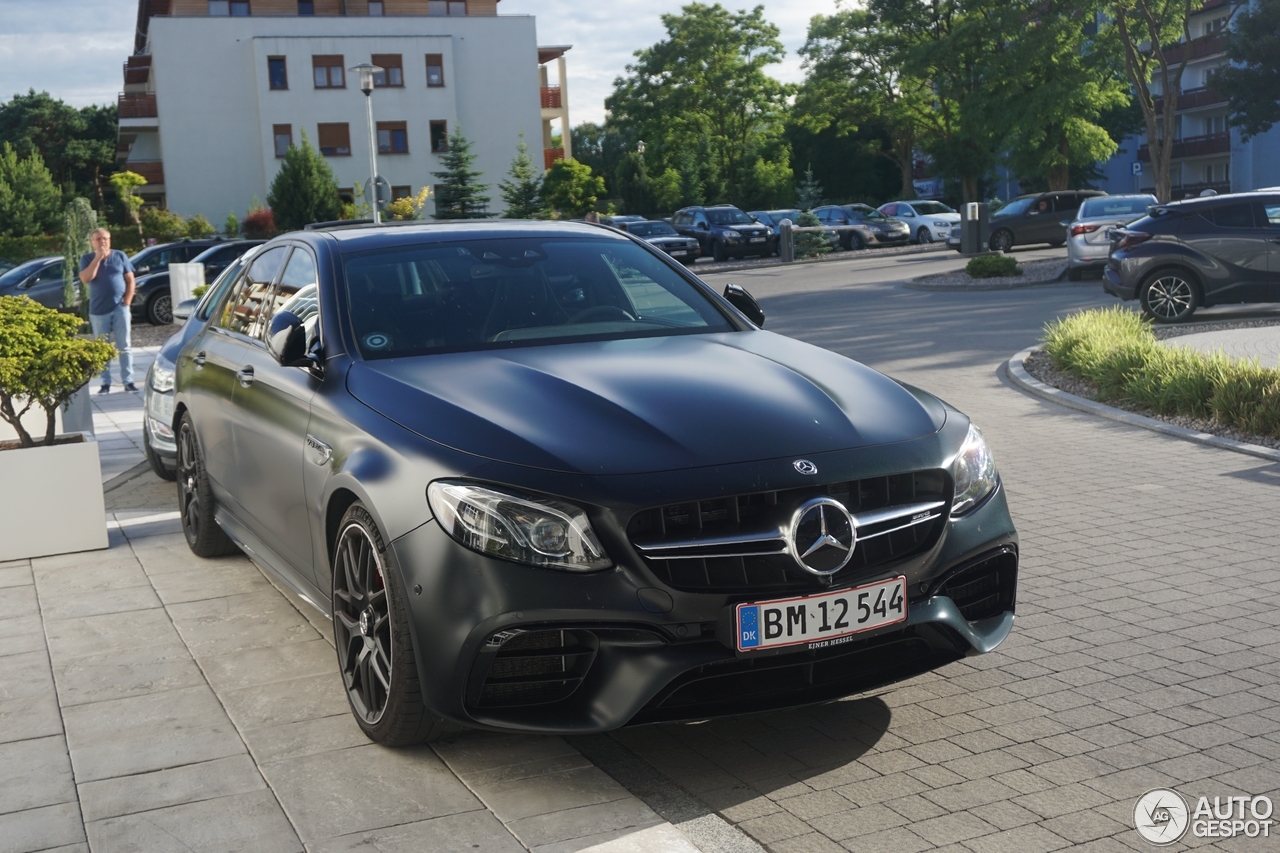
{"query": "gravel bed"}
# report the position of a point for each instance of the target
(147, 335)
(1033, 272)
(703, 265)
(1166, 332)
(1041, 367)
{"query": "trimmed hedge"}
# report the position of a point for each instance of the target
(1115, 349)
(992, 266)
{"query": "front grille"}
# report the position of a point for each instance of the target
(738, 543)
(534, 668)
(986, 588)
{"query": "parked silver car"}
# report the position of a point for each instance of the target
(1088, 243)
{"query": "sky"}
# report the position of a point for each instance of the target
(74, 49)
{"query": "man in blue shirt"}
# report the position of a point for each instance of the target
(109, 276)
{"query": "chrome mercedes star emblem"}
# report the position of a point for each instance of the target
(804, 466)
(822, 536)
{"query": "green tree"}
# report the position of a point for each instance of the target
(703, 91)
(602, 147)
(29, 201)
(78, 223)
(164, 226)
(809, 244)
(809, 193)
(632, 184)
(458, 193)
(523, 192)
(231, 227)
(125, 183)
(304, 190)
(199, 227)
(78, 145)
(1252, 83)
(571, 190)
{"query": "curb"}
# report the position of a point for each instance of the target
(124, 477)
(1019, 376)
(1060, 280)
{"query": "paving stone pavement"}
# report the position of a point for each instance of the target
(153, 701)
(1261, 344)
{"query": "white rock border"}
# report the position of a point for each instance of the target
(1020, 378)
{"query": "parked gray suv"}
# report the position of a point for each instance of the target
(1200, 252)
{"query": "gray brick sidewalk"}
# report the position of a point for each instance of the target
(1260, 343)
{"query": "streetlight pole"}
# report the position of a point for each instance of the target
(366, 72)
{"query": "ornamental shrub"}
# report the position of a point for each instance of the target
(992, 266)
(164, 226)
(259, 224)
(304, 190)
(809, 244)
(42, 362)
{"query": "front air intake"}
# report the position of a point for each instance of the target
(987, 588)
(532, 668)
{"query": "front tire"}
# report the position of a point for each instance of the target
(924, 236)
(160, 309)
(196, 506)
(1074, 273)
(371, 633)
(1001, 241)
(717, 252)
(855, 242)
(1169, 296)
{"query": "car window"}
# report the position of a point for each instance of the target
(244, 312)
(728, 216)
(931, 208)
(1115, 206)
(299, 275)
(651, 229)
(1272, 212)
(1233, 215)
(19, 272)
(1066, 203)
(219, 289)
(53, 272)
(493, 293)
(223, 255)
(1017, 207)
(896, 210)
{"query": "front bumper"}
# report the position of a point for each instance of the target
(511, 647)
(157, 422)
(894, 239)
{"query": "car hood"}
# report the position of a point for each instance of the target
(645, 405)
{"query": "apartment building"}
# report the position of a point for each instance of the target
(217, 91)
(1207, 153)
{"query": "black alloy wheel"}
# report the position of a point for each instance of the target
(1169, 296)
(371, 634)
(924, 235)
(160, 309)
(1001, 241)
(856, 243)
(195, 498)
(717, 252)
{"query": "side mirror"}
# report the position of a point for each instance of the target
(1065, 223)
(702, 226)
(745, 302)
(184, 309)
(287, 342)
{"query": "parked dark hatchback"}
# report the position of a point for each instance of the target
(545, 480)
(1036, 218)
(1196, 253)
(153, 299)
(723, 231)
(40, 279)
(867, 226)
(658, 233)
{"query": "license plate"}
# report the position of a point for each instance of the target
(821, 620)
(675, 252)
(757, 239)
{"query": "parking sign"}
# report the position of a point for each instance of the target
(1137, 167)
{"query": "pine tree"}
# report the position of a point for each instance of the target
(523, 193)
(810, 243)
(458, 193)
(633, 184)
(809, 191)
(29, 201)
(304, 190)
(78, 223)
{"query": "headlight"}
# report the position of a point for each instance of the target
(162, 375)
(942, 225)
(729, 232)
(974, 472)
(769, 230)
(539, 532)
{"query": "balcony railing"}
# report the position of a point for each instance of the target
(1194, 99)
(551, 98)
(152, 170)
(1194, 190)
(1194, 146)
(137, 69)
(138, 105)
(551, 155)
(1195, 49)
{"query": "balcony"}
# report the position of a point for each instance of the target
(138, 105)
(551, 155)
(137, 71)
(551, 98)
(1194, 190)
(152, 170)
(1195, 49)
(1194, 99)
(1194, 146)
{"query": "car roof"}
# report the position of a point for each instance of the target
(361, 237)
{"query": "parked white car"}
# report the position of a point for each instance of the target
(928, 220)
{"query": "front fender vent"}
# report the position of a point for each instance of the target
(987, 588)
(531, 667)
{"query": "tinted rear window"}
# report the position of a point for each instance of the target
(1231, 215)
(1116, 206)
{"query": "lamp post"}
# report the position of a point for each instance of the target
(366, 72)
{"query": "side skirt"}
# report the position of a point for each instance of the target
(269, 561)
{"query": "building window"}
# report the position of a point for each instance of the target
(398, 193)
(375, 8)
(219, 8)
(439, 136)
(334, 139)
(392, 73)
(328, 73)
(393, 138)
(447, 7)
(306, 7)
(277, 73)
(435, 69)
(239, 8)
(283, 135)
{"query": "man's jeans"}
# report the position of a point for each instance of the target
(116, 327)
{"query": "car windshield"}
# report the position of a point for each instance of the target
(727, 216)
(651, 229)
(1016, 207)
(862, 211)
(793, 215)
(930, 208)
(147, 257)
(20, 272)
(1133, 205)
(487, 294)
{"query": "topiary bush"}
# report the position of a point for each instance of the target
(42, 362)
(992, 266)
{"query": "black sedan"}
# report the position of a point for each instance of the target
(684, 249)
(1207, 251)
(153, 300)
(545, 480)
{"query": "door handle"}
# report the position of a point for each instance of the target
(245, 375)
(199, 359)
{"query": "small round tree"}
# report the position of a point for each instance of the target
(304, 190)
(571, 189)
(42, 362)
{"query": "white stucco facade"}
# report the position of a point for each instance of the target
(216, 109)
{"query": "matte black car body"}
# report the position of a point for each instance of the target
(40, 279)
(152, 299)
(658, 439)
(1036, 218)
(1200, 252)
(723, 231)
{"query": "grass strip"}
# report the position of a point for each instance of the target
(1115, 350)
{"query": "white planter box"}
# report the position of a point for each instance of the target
(51, 500)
